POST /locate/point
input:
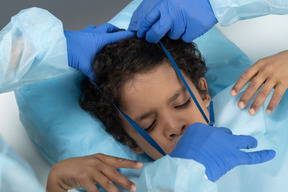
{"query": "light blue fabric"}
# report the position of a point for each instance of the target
(271, 132)
(51, 115)
(230, 11)
(60, 129)
(15, 174)
(32, 48)
(174, 174)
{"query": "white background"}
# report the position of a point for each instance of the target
(258, 38)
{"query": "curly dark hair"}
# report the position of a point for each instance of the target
(119, 62)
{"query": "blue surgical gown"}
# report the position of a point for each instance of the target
(230, 11)
(33, 48)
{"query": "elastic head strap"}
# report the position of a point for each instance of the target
(184, 81)
(141, 131)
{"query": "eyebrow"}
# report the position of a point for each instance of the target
(173, 98)
(176, 94)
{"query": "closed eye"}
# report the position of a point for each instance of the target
(150, 127)
(184, 105)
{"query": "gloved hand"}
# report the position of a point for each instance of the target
(218, 149)
(185, 19)
(82, 46)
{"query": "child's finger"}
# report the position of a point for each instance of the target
(119, 162)
(244, 79)
(114, 175)
(105, 182)
(261, 96)
(252, 88)
(89, 185)
(277, 96)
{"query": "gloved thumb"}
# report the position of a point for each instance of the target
(117, 36)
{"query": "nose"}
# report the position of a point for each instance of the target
(174, 128)
(177, 132)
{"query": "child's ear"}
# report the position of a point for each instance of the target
(205, 95)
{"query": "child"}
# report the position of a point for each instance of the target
(138, 78)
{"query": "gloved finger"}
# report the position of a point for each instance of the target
(190, 35)
(177, 30)
(152, 17)
(225, 130)
(117, 36)
(106, 28)
(258, 157)
(197, 27)
(277, 95)
(192, 31)
(159, 29)
(261, 96)
(91, 28)
(244, 142)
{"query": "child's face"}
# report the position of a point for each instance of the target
(160, 104)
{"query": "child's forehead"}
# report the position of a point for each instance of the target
(150, 90)
(162, 75)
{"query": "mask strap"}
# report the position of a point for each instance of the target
(141, 131)
(186, 85)
(211, 114)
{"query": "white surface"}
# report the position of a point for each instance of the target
(258, 38)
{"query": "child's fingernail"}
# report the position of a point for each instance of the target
(133, 188)
(241, 105)
(251, 111)
(268, 111)
(139, 164)
(233, 92)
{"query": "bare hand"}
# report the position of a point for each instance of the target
(271, 72)
(89, 170)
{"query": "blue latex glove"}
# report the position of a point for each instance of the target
(185, 19)
(82, 46)
(218, 149)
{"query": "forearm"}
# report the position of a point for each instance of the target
(230, 11)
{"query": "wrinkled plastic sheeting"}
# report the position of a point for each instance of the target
(271, 132)
(230, 11)
(32, 48)
(15, 174)
(54, 121)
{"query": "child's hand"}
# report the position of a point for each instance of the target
(87, 171)
(271, 72)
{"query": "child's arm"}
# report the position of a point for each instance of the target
(89, 170)
(271, 72)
